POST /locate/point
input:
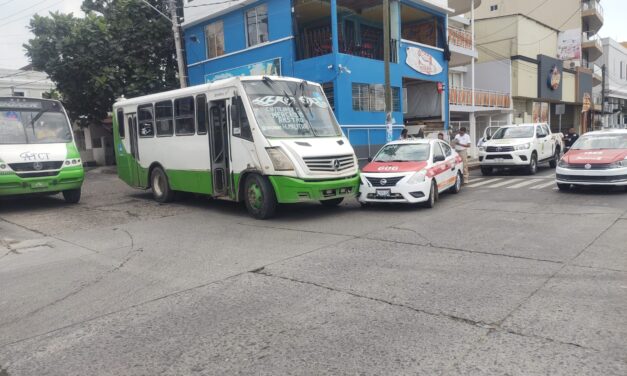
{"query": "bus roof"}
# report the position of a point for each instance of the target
(227, 82)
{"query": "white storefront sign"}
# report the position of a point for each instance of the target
(422, 62)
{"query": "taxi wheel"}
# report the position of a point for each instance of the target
(458, 183)
(433, 196)
(556, 158)
(563, 187)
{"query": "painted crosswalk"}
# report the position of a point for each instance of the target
(506, 182)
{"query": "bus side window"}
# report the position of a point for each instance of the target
(121, 131)
(165, 119)
(201, 114)
(241, 126)
(146, 121)
(184, 116)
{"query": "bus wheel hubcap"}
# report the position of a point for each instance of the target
(157, 184)
(255, 197)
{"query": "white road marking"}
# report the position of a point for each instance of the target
(543, 185)
(472, 185)
(506, 182)
(524, 183)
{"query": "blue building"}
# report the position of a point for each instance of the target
(338, 43)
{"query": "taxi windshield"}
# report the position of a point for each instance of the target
(513, 132)
(601, 141)
(403, 153)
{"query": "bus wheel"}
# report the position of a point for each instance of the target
(259, 197)
(72, 196)
(332, 202)
(161, 191)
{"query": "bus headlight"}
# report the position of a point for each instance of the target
(416, 178)
(280, 161)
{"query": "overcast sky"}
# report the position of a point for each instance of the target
(15, 14)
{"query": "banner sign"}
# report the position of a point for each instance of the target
(422, 62)
(569, 44)
(270, 67)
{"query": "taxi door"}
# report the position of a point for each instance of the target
(441, 167)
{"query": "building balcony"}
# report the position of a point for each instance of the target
(597, 74)
(591, 43)
(484, 99)
(592, 15)
(460, 45)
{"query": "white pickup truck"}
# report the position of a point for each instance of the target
(521, 145)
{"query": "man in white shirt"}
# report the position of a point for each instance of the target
(462, 144)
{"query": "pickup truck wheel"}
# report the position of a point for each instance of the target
(563, 187)
(556, 158)
(532, 168)
(486, 171)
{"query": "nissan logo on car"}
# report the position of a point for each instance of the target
(383, 181)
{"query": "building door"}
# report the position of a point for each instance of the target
(133, 160)
(219, 147)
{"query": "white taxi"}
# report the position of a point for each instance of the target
(411, 171)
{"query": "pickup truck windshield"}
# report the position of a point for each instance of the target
(513, 132)
(280, 114)
(601, 141)
(26, 126)
(403, 153)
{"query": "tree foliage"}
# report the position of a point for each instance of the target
(121, 47)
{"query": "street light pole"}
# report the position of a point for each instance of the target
(177, 43)
(386, 68)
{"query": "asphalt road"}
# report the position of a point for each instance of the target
(510, 277)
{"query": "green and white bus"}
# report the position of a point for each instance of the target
(37, 149)
(260, 140)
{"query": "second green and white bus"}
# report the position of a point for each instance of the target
(260, 140)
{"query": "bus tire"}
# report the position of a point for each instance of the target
(72, 196)
(332, 202)
(259, 197)
(161, 190)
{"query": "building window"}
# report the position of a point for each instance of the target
(146, 121)
(184, 116)
(165, 120)
(493, 8)
(257, 25)
(214, 35)
(371, 98)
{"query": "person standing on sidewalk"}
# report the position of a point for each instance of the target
(462, 144)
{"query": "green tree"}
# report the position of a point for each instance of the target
(120, 47)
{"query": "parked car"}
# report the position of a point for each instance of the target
(411, 171)
(521, 146)
(597, 158)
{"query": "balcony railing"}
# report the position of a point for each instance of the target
(459, 37)
(592, 4)
(462, 96)
(588, 36)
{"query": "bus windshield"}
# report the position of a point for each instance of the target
(33, 122)
(280, 115)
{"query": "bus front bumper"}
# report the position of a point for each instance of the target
(291, 190)
(68, 178)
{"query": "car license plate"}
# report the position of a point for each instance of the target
(39, 184)
(383, 192)
(498, 160)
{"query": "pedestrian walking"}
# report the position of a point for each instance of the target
(462, 144)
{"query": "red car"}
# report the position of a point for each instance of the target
(597, 158)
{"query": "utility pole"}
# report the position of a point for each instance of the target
(177, 43)
(602, 95)
(386, 68)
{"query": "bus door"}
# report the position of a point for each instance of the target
(219, 147)
(133, 163)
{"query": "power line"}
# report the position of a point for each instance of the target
(32, 14)
(6, 2)
(505, 27)
(551, 33)
(20, 11)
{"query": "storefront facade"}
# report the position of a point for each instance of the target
(339, 44)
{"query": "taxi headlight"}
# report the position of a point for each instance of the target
(619, 164)
(523, 146)
(280, 161)
(416, 178)
(562, 163)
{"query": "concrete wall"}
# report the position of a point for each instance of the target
(491, 75)
(535, 39)
(568, 87)
(524, 79)
(494, 38)
(554, 13)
